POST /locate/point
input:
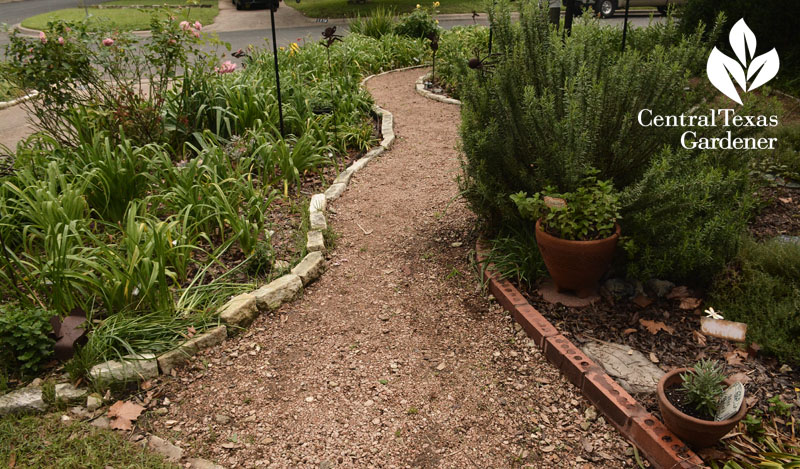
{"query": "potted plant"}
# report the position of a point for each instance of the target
(577, 232)
(689, 400)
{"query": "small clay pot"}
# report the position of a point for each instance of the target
(695, 432)
(576, 265)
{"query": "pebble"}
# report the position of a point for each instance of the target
(222, 419)
(310, 399)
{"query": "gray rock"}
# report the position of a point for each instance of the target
(316, 242)
(178, 356)
(618, 288)
(317, 220)
(101, 422)
(630, 368)
(240, 311)
(318, 203)
(374, 153)
(67, 393)
(198, 463)
(344, 177)
(23, 400)
(93, 402)
(334, 191)
(222, 419)
(359, 165)
(283, 289)
(165, 448)
(788, 239)
(310, 268)
(660, 288)
(130, 368)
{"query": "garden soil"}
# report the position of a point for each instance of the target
(395, 357)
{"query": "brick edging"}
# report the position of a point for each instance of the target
(660, 446)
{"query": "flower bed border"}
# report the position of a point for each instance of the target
(660, 446)
(20, 100)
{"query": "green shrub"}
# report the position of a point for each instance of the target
(379, 23)
(261, 260)
(762, 289)
(456, 47)
(785, 160)
(550, 111)
(419, 23)
(774, 23)
(24, 338)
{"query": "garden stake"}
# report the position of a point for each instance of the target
(273, 5)
(625, 25)
(434, 38)
(330, 36)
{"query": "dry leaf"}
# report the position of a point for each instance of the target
(699, 337)
(740, 377)
(690, 303)
(147, 385)
(735, 357)
(642, 301)
(123, 413)
(678, 292)
(629, 331)
(655, 326)
(653, 357)
(786, 200)
(12, 460)
(191, 331)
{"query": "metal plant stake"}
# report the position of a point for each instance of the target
(625, 25)
(273, 7)
(329, 36)
(434, 38)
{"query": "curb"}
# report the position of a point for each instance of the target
(420, 87)
(660, 446)
(20, 100)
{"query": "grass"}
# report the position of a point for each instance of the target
(8, 91)
(43, 441)
(343, 9)
(122, 19)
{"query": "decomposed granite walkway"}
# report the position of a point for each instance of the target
(395, 358)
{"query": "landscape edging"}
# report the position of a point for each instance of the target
(660, 446)
(420, 87)
(20, 100)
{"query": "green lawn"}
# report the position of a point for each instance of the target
(123, 19)
(342, 9)
(43, 441)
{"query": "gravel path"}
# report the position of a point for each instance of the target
(395, 357)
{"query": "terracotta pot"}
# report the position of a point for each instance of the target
(576, 265)
(693, 431)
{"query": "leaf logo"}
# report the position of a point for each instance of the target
(756, 70)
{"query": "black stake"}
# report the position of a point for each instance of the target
(625, 25)
(273, 7)
(568, 17)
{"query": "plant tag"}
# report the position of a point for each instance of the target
(728, 330)
(554, 202)
(730, 402)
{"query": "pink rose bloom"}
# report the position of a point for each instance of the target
(195, 33)
(61, 40)
(43, 37)
(108, 42)
(227, 67)
(184, 25)
(198, 26)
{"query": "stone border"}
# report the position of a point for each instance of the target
(20, 100)
(660, 446)
(420, 87)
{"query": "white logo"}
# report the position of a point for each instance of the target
(757, 70)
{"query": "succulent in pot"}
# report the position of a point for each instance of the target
(577, 232)
(696, 406)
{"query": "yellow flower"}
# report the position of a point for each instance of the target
(282, 48)
(437, 21)
(436, 4)
(417, 6)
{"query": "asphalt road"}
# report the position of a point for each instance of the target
(15, 11)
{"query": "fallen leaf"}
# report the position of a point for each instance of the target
(786, 200)
(230, 445)
(147, 385)
(548, 448)
(642, 301)
(735, 357)
(690, 303)
(12, 460)
(678, 292)
(699, 337)
(653, 357)
(740, 377)
(629, 331)
(123, 413)
(655, 326)
(191, 331)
